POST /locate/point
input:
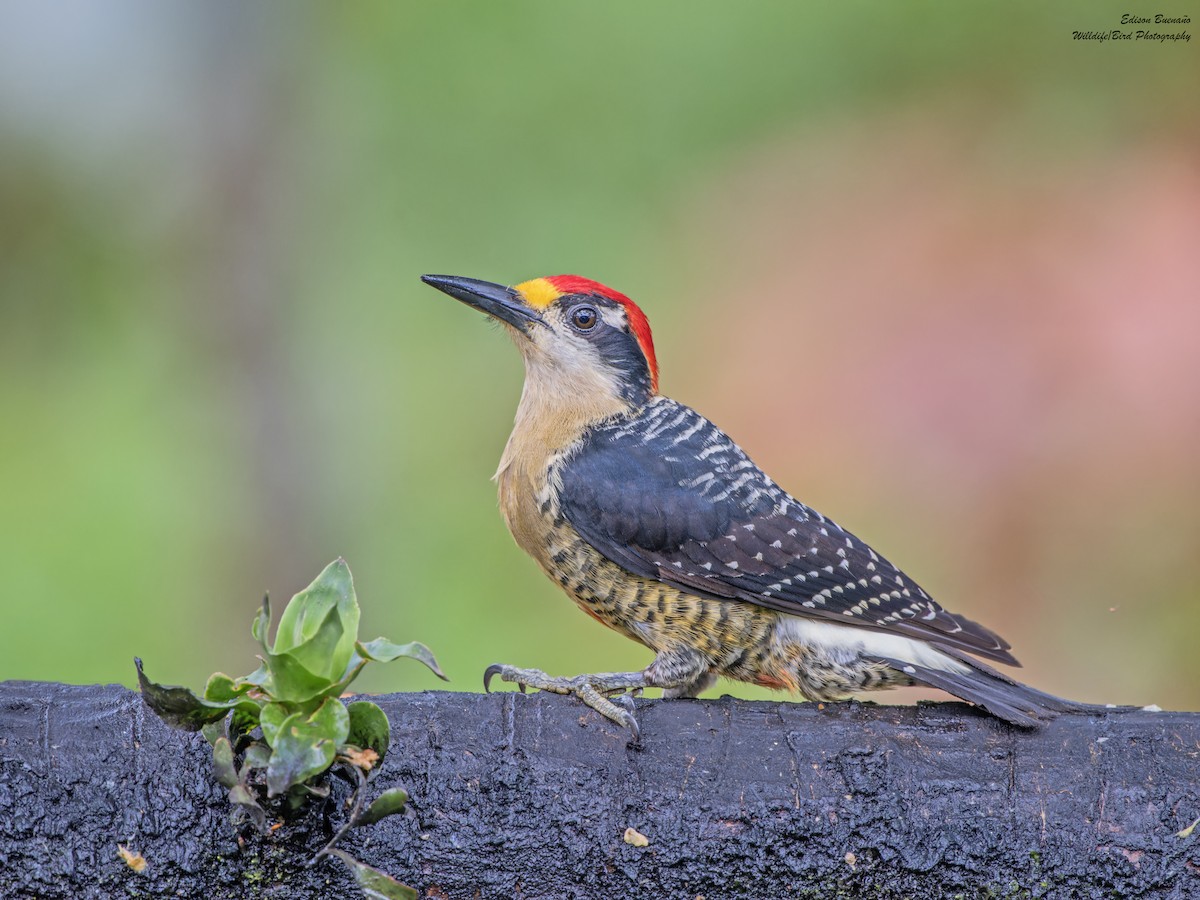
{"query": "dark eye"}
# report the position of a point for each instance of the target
(584, 317)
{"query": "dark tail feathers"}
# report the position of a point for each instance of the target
(997, 693)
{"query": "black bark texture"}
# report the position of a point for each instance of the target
(530, 797)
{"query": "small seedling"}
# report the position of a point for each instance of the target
(278, 731)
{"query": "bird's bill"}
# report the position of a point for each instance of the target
(496, 300)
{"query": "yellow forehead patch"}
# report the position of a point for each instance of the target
(538, 293)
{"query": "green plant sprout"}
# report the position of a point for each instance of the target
(277, 731)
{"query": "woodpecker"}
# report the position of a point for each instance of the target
(659, 526)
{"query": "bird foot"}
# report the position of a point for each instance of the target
(597, 691)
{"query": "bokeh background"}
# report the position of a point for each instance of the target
(937, 267)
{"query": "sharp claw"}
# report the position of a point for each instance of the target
(490, 672)
(632, 725)
(629, 720)
(521, 686)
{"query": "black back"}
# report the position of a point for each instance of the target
(668, 496)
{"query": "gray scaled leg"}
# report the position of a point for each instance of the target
(693, 689)
(672, 670)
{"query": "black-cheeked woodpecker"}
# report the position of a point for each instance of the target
(662, 528)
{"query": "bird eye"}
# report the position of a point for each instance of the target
(584, 317)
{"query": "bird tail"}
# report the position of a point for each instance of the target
(994, 691)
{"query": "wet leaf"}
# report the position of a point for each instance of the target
(223, 769)
(304, 748)
(177, 706)
(261, 626)
(320, 624)
(243, 720)
(368, 727)
(331, 720)
(212, 731)
(383, 650)
(271, 719)
(321, 791)
(295, 799)
(352, 669)
(241, 796)
(259, 676)
(314, 642)
(225, 690)
(375, 884)
(222, 689)
(289, 680)
(389, 803)
(134, 860)
(258, 756)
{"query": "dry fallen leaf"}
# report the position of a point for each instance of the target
(851, 859)
(135, 861)
(364, 759)
(1187, 832)
(635, 838)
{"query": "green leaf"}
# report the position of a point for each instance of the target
(223, 769)
(375, 884)
(304, 791)
(320, 624)
(223, 689)
(261, 626)
(352, 669)
(271, 719)
(331, 720)
(243, 721)
(259, 676)
(257, 756)
(213, 731)
(282, 678)
(383, 650)
(177, 706)
(368, 727)
(296, 755)
(304, 748)
(242, 796)
(386, 804)
(293, 682)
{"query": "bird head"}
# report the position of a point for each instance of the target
(575, 333)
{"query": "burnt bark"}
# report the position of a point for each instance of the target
(530, 797)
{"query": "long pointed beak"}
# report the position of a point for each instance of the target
(496, 300)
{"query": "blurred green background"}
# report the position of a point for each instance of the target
(935, 266)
